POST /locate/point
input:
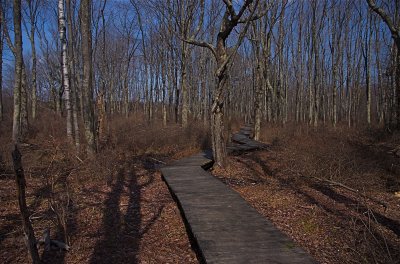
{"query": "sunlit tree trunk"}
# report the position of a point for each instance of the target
(65, 70)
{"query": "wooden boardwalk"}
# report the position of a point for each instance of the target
(223, 226)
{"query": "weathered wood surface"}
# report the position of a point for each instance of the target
(242, 141)
(224, 227)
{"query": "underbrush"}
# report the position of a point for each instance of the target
(66, 188)
(341, 185)
(364, 159)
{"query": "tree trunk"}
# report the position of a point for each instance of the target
(334, 70)
(85, 11)
(164, 88)
(204, 96)
(16, 134)
(217, 126)
(258, 93)
(26, 222)
(24, 103)
(1, 70)
(65, 70)
(398, 82)
(32, 14)
(73, 90)
(184, 87)
(367, 58)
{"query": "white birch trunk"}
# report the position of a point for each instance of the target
(63, 39)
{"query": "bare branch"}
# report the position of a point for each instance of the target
(201, 44)
(230, 8)
(388, 21)
(5, 30)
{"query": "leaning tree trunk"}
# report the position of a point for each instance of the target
(26, 222)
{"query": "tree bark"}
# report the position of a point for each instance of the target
(65, 70)
(87, 83)
(16, 133)
(73, 86)
(184, 87)
(33, 5)
(24, 103)
(367, 59)
(229, 22)
(259, 86)
(1, 65)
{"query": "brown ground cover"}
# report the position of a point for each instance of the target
(293, 184)
(115, 205)
(117, 209)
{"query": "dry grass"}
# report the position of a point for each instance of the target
(336, 225)
(117, 208)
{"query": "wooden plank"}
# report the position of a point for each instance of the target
(224, 227)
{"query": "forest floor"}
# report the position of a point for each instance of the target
(117, 209)
(332, 191)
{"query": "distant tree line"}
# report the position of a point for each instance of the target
(314, 62)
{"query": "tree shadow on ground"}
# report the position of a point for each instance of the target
(58, 256)
(378, 157)
(357, 208)
(39, 196)
(122, 233)
(350, 203)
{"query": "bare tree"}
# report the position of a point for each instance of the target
(395, 31)
(230, 20)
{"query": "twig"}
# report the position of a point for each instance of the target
(79, 158)
(159, 161)
(9, 233)
(6, 174)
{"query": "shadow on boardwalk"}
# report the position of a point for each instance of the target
(123, 226)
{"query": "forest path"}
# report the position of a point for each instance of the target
(222, 225)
